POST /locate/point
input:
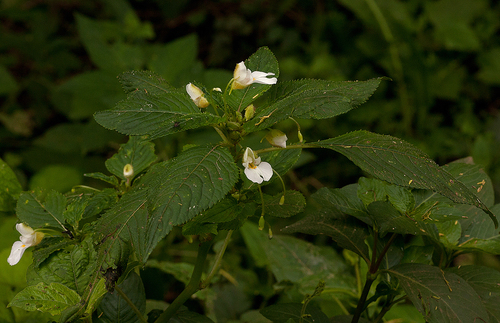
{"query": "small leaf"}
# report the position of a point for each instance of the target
(398, 162)
(136, 152)
(39, 211)
(105, 178)
(51, 298)
(440, 296)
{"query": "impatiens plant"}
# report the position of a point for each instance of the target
(397, 232)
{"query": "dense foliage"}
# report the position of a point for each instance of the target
(346, 245)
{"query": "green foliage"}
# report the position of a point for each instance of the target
(401, 229)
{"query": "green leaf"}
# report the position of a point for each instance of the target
(172, 59)
(71, 268)
(388, 219)
(262, 60)
(189, 184)
(136, 152)
(224, 211)
(75, 210)
(51, 298)
(484, 280)
(182, 271)
(371, 189)
(326, 219)
(294, 202)
(144, 81)
(155, 115)
(398, 162)
(48, 246)
(10, 189)
(105, 178)
(39, 211)
(281, 313)
(113, 308)
(312, 99)
(440, 296)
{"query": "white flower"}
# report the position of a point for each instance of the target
(197, 96)
(128, 171)
(277, 138)
(243, 77)
(255, 170)
(29, 237)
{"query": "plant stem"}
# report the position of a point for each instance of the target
(192, 287)
(370, 278)
(131, 304)
(371, 274)
(218, 260)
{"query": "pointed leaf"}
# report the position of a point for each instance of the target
(155, 115)
(144, 81)
(51, 298)
(38, 211)
(312, 99)
(398, 162)
(440, 296)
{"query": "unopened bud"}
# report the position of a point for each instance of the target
(282, 200)
(128, 171)
(270, 233)
(262, 223)
(277, 138)
(217, 89)
(249, 112)
(299, 134)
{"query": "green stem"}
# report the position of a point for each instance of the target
(223, 136)
(218, 260)
(370, 278)
(192, 287)
(131, 304)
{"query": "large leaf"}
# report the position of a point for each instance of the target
(10, 188)
(484, 280)
(155, 115)
(39, 210)
(262, 60)
(326, 219)
(190, 183)
(398, 162)
(440, 296)
(52, 298)
(145, 81)
(312, 99)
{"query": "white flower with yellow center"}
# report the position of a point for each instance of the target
(29, 238)
(243, 77)
(197, 96)
(255, 170)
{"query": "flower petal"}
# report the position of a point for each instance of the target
(24, 229)
(16, 253)
(254, 175)
(266, 171)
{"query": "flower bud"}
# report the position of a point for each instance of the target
(128, 171)
(196, 94)
(262, 223)
(299, 134)
(277, 138)
(282, 200)
(249, 112)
